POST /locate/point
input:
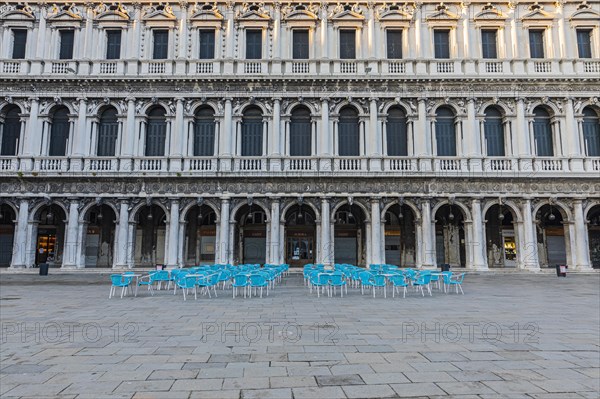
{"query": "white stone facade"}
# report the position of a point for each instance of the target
(160, 145)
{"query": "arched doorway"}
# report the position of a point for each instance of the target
(150, 236)
(99, 236)
(7, 233)
(450, 236)
(300, 233)
(349, 235)
(501, 236)
(400, 236)
(200, 235)
(594, 235)
(551, 238)
(251, 228)
(50, 235)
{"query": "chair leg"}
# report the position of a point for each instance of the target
(404, 292)
(461, 290)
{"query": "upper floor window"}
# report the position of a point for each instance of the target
(204, 132)
(300, 44)
(394, 44)
(59, 132)
(591, 132)
(67, 40)
(300, 132)
(253, 44)
(489, 43)
(207, 44)
(445, 132)
(19, 43)
(536, 43)
(113, 44)
(441, 42)
(108, 130)
(348, 44)
(584, 43)
(252, 132)
(10, 130)
(493, 132)
(397, 144)
(542, 133)
(348, 132)
(156, 132)
(160, 44)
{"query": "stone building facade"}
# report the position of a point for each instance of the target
(137, 133)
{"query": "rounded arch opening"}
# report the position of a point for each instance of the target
(252, 132)
(251, 231)
(552, 236)
(7, 233)
(108, 131)
(493, 127)
(591, 131)
(450, 236)
(11, 130)
(594, 235)
(59, 131)
(300, 235)
(348, 132)
(350, 235)
(200, 235)
(400, 243)
(99, 236)
(204, 131)
(150, 236)
(50, 234)
(396, 132)
(300, 139)
(501, 236)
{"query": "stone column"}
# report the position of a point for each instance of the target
(20, 237)
(571, 135)
(223, 255)
(70, 252)
(528, 245)
(33, 133)
(177, 137)
(80, 133)
(422, 139)
(275, 234)
(327, 255)
(428, 237)
(324, 149)
(226, 138)
(122, 244)
(473, 138)
(128, 140)
(582, 252)
(275, 141)
(375, 241)
(477, 238)
(173, 235)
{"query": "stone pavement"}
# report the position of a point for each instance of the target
(509, 336)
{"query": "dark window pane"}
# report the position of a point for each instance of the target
(156, 133)
(67, 38)
(19, 43)
(10, 132)
(394, 44)
(348, 132)
(536, 43)
(207, 44)
(300, 45)
(396, 133)
(59, 133)
(300, 132)
(591, 132)
(584, 43)
(489, 44)
(204, 133)
(494, 132)
(441, 40)
(348, 44)
(161, 44)
(108, 130)
(542, 133)
(252, 132)
(445, 133)
(113, 44)
(253, 44)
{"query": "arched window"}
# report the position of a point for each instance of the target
(445, 132)
(591, 132)
(108, 130)
(156, 132)
(542, 133)
(10, 131)
(300, 132)
(252, 132)
(494, 132)
(204, 132)
(59, 132)
(397, 144)
(348, 133)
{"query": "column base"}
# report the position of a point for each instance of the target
(584, 268)
(478, 268)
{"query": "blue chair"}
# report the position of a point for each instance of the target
(397, 282)
(148, 281)
(119, 280)
(455, 280)
(423, 280)
(186, 283)
(378, 281)
(162, 276)
(224, 277)
(239, 281)
(258, 281)
(209, 281)
(319, 280)
(365, 281)
(336, 279)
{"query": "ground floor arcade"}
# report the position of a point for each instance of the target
(478, 232)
